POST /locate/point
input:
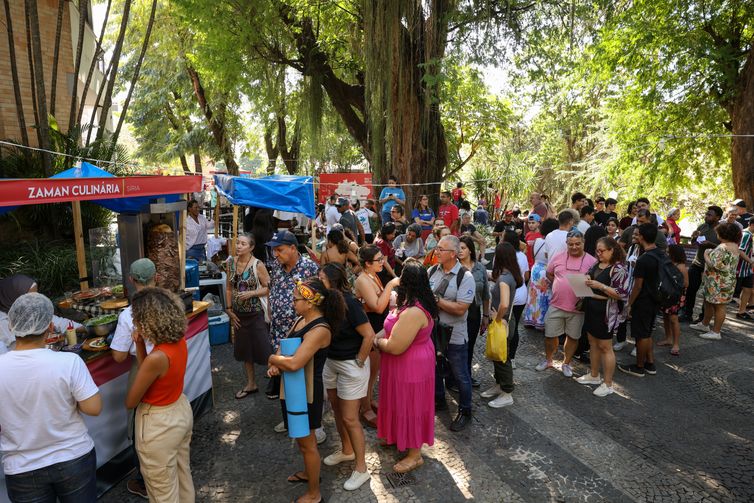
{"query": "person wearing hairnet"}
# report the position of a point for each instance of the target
(47, 451)
(12, 288)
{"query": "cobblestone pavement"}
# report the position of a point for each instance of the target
(684, 435)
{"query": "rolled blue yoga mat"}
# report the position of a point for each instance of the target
(295, 393)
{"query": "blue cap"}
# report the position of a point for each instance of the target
(535, 217)
(282, 238)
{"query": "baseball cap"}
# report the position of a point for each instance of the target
(142, 270)
(342, 201)
(740, 202)
(282, 238)
(508, 212)
(535, 217)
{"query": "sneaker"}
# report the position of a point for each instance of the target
(633, 351)
(650, 368)
(589, 379)
(338, 457)
(701, 327)
(461, 421)
(543, 365)
(137, 487)
(501, 401)
(567, 370)
(280, 427)
(713, 336)
(618, 346)
(513, 364)
(603, 390)
(320, 434)
(356, 480)
(633, 370)
(491, 392)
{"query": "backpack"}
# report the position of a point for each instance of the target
(669, 286)
(461, 273)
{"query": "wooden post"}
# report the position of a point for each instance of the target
(182, 244)
(234, 232)
(78, 234)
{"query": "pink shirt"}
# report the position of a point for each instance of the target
(561, 265)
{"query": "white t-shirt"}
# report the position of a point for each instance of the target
(122, 340)
(197, 230)
(522, 292)
(583, 226)
(539, 250)
(332, 217)
(41, 424)
(555, 242)
(364, 214)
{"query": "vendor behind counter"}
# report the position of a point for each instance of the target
(12, 288)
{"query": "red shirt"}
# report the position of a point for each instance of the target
(448, 213)
(530, 238)
(497, 200)
(456, 194)
(676, 230)
(168, 388)
(387, 250)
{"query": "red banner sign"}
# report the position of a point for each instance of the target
(349, 185)
(59, 190)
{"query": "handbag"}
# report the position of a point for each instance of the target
(262, 300)
(496, 347)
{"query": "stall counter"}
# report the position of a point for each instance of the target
(109, 429)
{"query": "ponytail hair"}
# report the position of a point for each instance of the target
(333, 306)
(337, 276)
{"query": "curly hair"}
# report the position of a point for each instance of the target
(548, 225)
(729, 232)
(333, 307)
(159, 315)
(337, 238)
(414, 287)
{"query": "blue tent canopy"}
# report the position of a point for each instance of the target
(276, 192)
(120, 205)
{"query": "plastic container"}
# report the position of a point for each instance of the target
(192, 276)
(219, 329)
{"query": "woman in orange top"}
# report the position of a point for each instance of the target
(164, 420)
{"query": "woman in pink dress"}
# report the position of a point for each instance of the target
(406, 415)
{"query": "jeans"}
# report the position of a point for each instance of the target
(513, 337)
(73, 481)
(197, 252)
(695, 281)
(457, 358)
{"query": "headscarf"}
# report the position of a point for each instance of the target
(12, 288)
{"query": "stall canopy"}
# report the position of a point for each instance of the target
(276, 192)
(89, 183)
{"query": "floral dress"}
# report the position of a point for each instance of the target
(719, 280)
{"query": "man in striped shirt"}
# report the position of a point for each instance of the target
(744, 272)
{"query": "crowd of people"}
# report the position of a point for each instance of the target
(393, 299)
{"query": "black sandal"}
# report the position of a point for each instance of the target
(246, 392)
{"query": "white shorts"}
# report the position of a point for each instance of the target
(559, 322)
(350, 381)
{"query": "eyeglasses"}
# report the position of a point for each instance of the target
(378, 259)
(296, 299)
(438, 249)
(601, 251)
(574, 234)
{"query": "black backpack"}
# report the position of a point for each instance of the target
(669, 288)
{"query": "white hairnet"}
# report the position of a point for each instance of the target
(30, 314)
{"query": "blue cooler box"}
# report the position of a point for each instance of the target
(219, 329)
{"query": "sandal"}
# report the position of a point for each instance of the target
(404, 466)
(321, 500)
(246, 392)
(744, 316)
(664, 343)
(296, 478)
(369, 418)
(675, 352)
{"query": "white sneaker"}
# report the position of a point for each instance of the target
(280, 427)
(589, 379)
(320, 434)
(356, 480)
(603, 390)
(701, 327)
(618, 346)
(338, 457)
(491, 392)
(713, 336)
(501, 401)
(567, 370)
(513, 364)
(633, 351)
(543, 365)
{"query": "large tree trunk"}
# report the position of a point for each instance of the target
(184, 164)
(215, 121)
(135, 77)
(290, 156)
(114, 72)
(97, 53)
(56, 56)
(43, 125)
(742, 144)
(271, 147)
(197, 163)
(14, 77)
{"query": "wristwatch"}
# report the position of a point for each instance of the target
(360, 363)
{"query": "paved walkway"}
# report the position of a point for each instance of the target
(686, 434)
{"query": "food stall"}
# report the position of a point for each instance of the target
(142, 203)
